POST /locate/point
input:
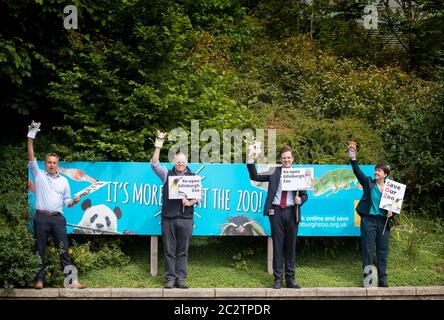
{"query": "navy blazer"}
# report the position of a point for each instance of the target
(367, 185)
(273, 177)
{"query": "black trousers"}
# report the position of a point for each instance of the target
(176, 236)
(371, 237)
(284, 231)
(56, 227)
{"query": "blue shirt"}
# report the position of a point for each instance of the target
(51, 192)
(161, 171)
(376, 199)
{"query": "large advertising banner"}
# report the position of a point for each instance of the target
(126, 198)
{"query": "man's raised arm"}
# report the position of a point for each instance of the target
(32, 132)
(155, 165)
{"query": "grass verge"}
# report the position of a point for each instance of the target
(416, 258)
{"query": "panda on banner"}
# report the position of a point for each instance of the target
(98, 219)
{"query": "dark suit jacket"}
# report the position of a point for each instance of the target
(367, 184)
(273, 183)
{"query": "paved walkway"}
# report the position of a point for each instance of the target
(432, 292)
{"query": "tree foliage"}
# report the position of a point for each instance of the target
(318, 101)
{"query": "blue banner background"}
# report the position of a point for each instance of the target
(229, 196)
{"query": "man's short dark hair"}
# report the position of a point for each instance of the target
(383, 167)
(52, 154)
(285, 149)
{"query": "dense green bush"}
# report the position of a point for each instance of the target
(86, 255)
(18, 258)
(93, 255)
(415, 143)
(325, 141)
(317, 102)
(156, 77)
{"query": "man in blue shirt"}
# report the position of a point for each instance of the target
(52, 192)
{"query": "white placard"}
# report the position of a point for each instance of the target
(184, 187)
(92, 188)
(392, 196)
(297, 179)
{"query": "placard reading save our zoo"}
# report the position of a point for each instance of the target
(231, 204)
(392, 196)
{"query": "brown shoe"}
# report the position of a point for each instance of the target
(38, 285)
(78, 285)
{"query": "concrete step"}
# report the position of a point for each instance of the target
(429, 292)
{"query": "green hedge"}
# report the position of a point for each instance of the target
(18, 258)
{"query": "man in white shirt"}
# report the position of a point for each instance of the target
(52, 192)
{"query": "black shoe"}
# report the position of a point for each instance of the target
(383, 284)
(181, 284)
(292, 284)
(277, 284)
(169, 284)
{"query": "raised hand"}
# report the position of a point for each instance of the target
(159, 139)
(33, 129)
(352, 150)
(254, 150)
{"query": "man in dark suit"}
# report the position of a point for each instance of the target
(283, 210)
